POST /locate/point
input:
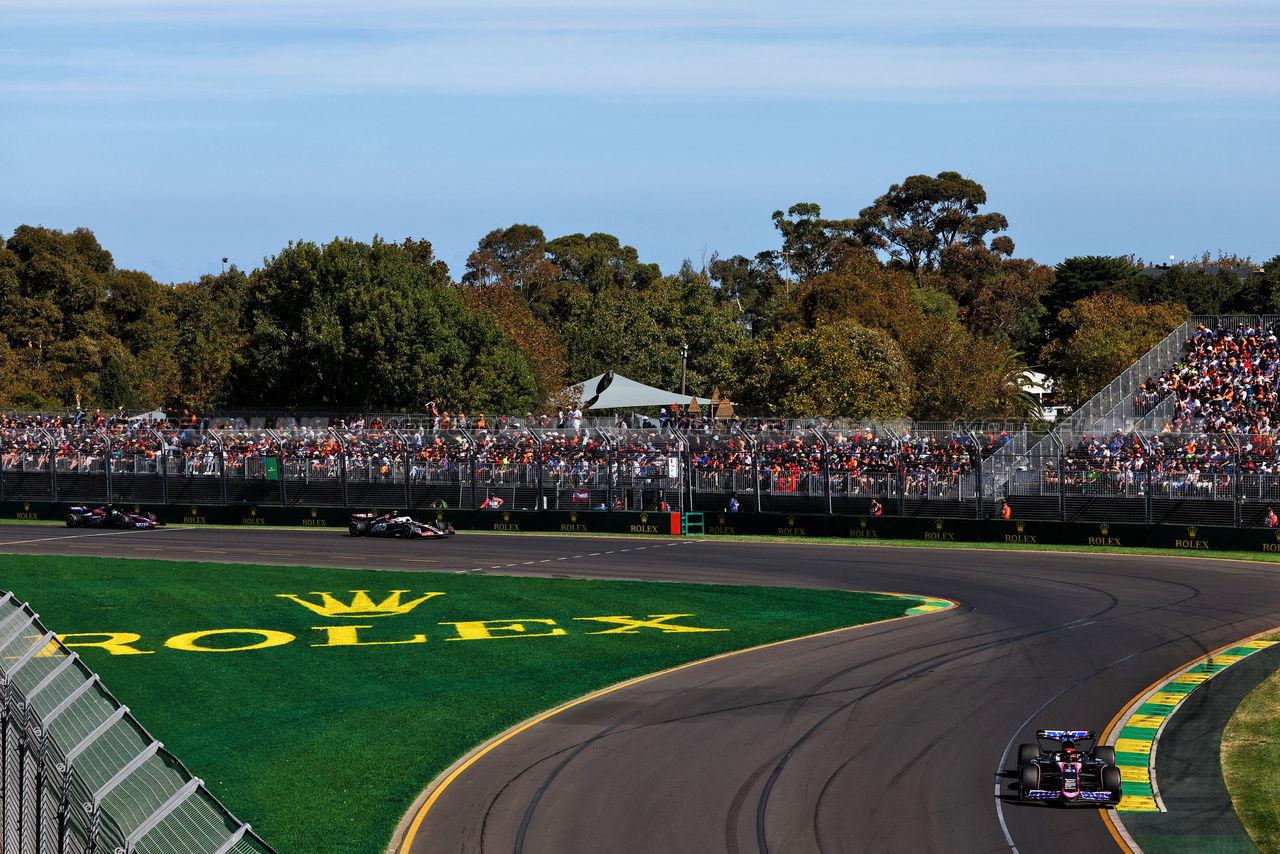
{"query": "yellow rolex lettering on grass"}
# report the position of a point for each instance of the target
(486, 630)
(116, 643)
(349, 636)
(361, 605)
(190, 641)
(631, 626)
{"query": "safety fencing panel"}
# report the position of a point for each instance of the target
(80, 774)
(897, 469)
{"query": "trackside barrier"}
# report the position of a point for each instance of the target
(79, 774)
(1113, 535)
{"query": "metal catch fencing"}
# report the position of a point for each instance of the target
(79, 774)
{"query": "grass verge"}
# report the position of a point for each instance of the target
(1251, 764)
(324, 739)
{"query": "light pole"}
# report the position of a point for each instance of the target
(224, 265)
(684, 363)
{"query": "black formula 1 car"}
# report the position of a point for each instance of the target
(1059, 768)
(391, 525)
(110, 517)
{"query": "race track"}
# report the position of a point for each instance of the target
(884, 738)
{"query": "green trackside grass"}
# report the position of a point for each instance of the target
(322, 745)
(1251, 763)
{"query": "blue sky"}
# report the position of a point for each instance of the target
(182, 132)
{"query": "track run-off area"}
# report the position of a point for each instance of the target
(888, 737)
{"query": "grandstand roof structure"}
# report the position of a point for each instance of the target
(611, 390)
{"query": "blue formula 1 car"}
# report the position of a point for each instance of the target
(110, 517)
(1066, 767)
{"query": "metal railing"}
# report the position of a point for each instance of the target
(79, 774)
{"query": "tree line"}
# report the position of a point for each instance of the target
(915, 307)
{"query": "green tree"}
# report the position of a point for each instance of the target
(372, 326)
(752, 285)
(917, 219)
(812, 245)
(516, 258)
(598, 261)
(1108, 333)
(997, 296)
(207, 317)
(641, 335)
(1085, 275)
(838, 370)
(67, 313)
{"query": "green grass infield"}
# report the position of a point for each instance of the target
(318, 719)
(1251, 764)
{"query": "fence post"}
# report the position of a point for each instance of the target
(342, 476)
(540, 471)
(826, 478)
(1062, 483)
(1237, 488)
(222, 473)
(408, 482)
(471, 469)
(978, 475)
(164, 474)
(755, 476)
(1151, 497)
(608, 477)
(106, 442)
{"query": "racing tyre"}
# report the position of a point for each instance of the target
(1026, 753)
(359, 528)
(1111, 781)
(1029, 778)
(1105, 754)
(120, 521)
(73, 520)
(153, 519)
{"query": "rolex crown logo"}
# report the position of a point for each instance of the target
(862, 521)
(937, 523)
(1191, 532)
(1021, 526)
(1104, 527)
(644, 517)
(253, 511)
(194, 510)
(439, 515)
(361, 606)
(573, 517)
(313, 512)
(506, 517)
(720, 521)
(25, 506)
(791, 521)
(137, 509)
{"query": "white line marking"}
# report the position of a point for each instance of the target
(71, 537)
(594, 554)
(1004, 757)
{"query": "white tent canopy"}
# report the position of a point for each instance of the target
(614, 391)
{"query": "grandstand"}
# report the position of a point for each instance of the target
(1183, 436)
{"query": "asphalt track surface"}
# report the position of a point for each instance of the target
(894, 737)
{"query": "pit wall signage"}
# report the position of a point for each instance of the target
(351, 623)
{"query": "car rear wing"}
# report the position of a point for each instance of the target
(1065, 734)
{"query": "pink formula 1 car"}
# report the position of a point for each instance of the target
(393, 525)
(110, 517)
(1065, 766)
